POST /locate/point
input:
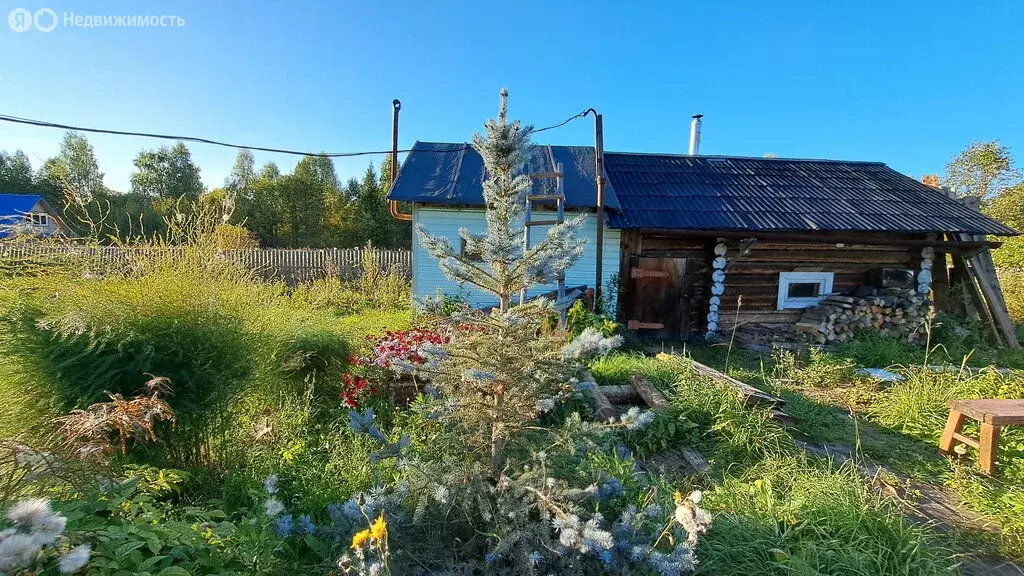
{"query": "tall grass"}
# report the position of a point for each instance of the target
(788, 516)
(254, 370)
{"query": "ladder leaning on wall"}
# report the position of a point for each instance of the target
(558, 196)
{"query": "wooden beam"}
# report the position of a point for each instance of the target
(651, 395)
(638, 325)
(750, 394)
(988, 281)
(642, 273)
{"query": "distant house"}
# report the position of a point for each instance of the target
(686, 236)
(29, 215)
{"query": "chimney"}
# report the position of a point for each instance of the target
(695, 134)
(931, 180)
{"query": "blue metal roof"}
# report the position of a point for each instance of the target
(17, 204)
(452, 174)
(677, 192)
(13, 207)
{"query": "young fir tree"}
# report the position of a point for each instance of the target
(506, 269)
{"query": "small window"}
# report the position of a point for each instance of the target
(475, 256)
(803, 289)
(37, 218)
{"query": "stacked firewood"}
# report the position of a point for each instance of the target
(901, 313)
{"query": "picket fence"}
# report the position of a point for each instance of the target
(291, 265)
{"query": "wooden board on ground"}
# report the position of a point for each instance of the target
(651, 395)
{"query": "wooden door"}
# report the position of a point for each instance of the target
(659, 303)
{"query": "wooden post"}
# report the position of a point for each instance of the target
(953, 425)
(989, 442)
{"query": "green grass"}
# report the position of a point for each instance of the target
(615, 369)
(896, 426)
(792, 516)
(255, 369)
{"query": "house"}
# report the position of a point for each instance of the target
(29, 214)
(686, 236)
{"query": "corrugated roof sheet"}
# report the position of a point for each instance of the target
(452, 174)
(677, 192)
(718, 192)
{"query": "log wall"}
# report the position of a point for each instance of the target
(754, 273)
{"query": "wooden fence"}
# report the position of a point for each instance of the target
(290, 265)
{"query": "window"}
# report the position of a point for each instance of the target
(37, 218)
(803, 289)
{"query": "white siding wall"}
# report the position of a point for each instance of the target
(427, 277)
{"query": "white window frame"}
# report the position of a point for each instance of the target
(823, 279)
(38, 218)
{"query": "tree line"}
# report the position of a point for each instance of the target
(308, 207)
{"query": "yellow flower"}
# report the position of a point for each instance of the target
(379, 529)
(360, 538)
(677, 496)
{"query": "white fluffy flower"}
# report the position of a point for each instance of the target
(270, 484)
(694, 519)
(273, 507)
(49, 529)
(75, 559)
(33, 511)
(16, 551)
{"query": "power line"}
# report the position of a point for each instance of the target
(45, 124)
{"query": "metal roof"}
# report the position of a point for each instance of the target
(17, 204)
(452, 174)
(677, 192)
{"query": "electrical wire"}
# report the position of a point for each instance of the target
(45, 124)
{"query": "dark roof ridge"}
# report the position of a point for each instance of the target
(728, 157)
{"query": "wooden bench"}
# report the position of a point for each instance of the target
(991, 415)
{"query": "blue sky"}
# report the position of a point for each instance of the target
(907, 83)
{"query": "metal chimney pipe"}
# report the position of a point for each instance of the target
(695, 134)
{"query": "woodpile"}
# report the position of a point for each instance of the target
(897, 312)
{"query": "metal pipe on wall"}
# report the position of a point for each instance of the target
(599, 171)
(396, 107)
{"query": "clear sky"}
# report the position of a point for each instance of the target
(907, 83)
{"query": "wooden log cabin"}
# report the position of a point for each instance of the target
(688, 237)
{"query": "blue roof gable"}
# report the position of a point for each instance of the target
(452, 174)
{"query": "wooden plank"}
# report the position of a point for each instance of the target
(988, 281)
(603, 407)
(641, 273)
(748, 392)
(651, 395)
(992, 411)
(959, 436)
(989, 445)
(954, 423)
(637, 325)
(621, 394)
